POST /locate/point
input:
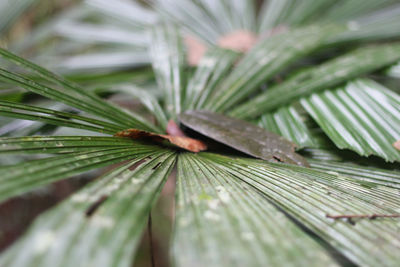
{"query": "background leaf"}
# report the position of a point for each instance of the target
(331, 73)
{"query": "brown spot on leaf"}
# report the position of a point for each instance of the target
(362, 216)
(137, 164)
(92, 208)
(184, 142)
(397, 144)
(157, 165)
(241, 41)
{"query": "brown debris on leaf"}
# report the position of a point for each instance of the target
(240, 41)
(195, 50)
(184, 142)
(397, 145)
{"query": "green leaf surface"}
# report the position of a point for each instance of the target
(132, 13)
(22, 177)
(289, 123)
(101, 225)
(266, 59)
(168, 60)
(309, 196)
(194, 17)
(378, 26)
(273, 13)
(394, 71)
(362, 116)
(359, 172)
(61, 144)
(331, 73)
(69, 93)
(242, 136)
(221, 221)
(27, 112)
(147, 99)
(348, 10)
(212, 68)
(90, 33)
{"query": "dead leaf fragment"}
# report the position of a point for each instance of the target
(184, 142)
(397, 144)
(240, 41)
(243, 136)
(173, 129)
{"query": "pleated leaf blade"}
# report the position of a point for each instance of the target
(100, 225)
(362, 116)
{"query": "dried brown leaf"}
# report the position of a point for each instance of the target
(243, 136)
(184, 142)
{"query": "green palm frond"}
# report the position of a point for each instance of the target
(246, 227)
(356, 63)
(363, 117)
(264, 61)
(310, 196)
(318, 76)
(290, 123)
(376, 176)
(124, 193)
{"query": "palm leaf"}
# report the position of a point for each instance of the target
(373, 175)
(383, 24)
(230, 211)
(363, 117)
(147, 98)
(290, 123)
(350, 9)
(72, 94)
(167, 53)
(22, 177)
(131, 12)
(338, 70)
(310, 196)
(126, 194)
(61, 144)
(264, 61)
(212, 68)
(27, 112)
(246, 227)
